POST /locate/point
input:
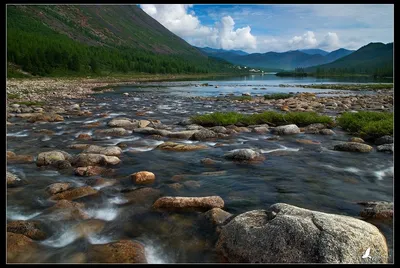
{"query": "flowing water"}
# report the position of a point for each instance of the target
(311, 176)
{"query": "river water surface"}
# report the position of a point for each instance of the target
(312, 176)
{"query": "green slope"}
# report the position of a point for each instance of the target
(373, 59)
(54, 40)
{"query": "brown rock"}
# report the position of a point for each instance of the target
(89, 171)
(217, 216)
(207, 161)
(74, 193)
(172, 146)
(46, 118)
(307, 141)
(143, 177)
(31, 229)
(377, 210)
(122, 251)
(100, 182)
(142, 196)
(207, 202)
(68, 210)
(19, 248)
(78, 146)
(58, 187)
(20, 159)
(356, 139)
(84, 136)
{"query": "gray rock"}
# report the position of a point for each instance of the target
(326, 131)
(116, 131)
(186, 134)
(314, 128)
(110, 150)
(12, 180)
(84, 160)
(199, 203)
(204, 134)
(194, 127)
(58, 187)
(244, 155)
(125, 123)
(219, 129)
(289, 234)
(353, 147)
(286, 130)
(48, 158)
(152, 131)
(385, 148)
(384, 140)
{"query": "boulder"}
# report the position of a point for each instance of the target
(204, 134)
(110, 150)
(287, 234)
(20, 248)
(219, 129)
(84, 136)
(12, 180)
(143, 177)
(115, 131)
(48, 158)
(122, 251)
(75, 193)
(353, 147)
(143, 123)
(31, 229)
(85, 160)
(172, 146)
(244, 155)
(58, 187)
(384, 140)
(89, 171)
(356, 139)
(123, 123)
(385, 148)
(152, 131)
(61, 164)
(326, 131)
(286, 130)
(377, 210)
(198, 203)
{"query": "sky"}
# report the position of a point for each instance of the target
(278, 27)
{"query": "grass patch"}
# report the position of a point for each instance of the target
(31, 103)
(277, 96)
(269, 117)
(367, 124)
(12, 96)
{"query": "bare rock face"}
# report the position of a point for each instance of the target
(31, 229)
(353, 147)
(122, 251)
(143, 177)
(172, 146)
(286, 130)
(377, 210)
(244, 155)
(200, 203)
(287, 234)
(49, 158)
(74, 193)
(58, 187)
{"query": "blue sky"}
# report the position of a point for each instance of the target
(263, 28)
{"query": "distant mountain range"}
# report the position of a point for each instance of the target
(374, 58)
(274, 60)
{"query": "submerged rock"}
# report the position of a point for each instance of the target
(353, 147)
(31, 229)
(208, 202)
(244, 155)
(377, 210)
(289, 234)
(122, 251)
(20, 248)
(172, 146)
(13, 180)
(217, 216)
(75, 193)
(67, 210)
(143, 177)
(58, 187)
(286, 130)
(142, 196)
(12, 158)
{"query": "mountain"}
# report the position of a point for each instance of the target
(314, 51)
(60, 39)
(374, 58)
(214, 51)
(273, 60)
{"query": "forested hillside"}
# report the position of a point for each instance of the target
(63, 40)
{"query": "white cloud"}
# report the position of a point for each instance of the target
(307, 40)
(179, 20)
(330, 42)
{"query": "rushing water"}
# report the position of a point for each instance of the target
(312, 176)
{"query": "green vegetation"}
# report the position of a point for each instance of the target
(367, 124)
(277, 96)
(31, 103)
(268, 117)
(42, 51)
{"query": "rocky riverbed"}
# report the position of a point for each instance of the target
(131, 174)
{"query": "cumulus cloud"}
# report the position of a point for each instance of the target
(178, 19)
(307, 40)
(330, 41)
